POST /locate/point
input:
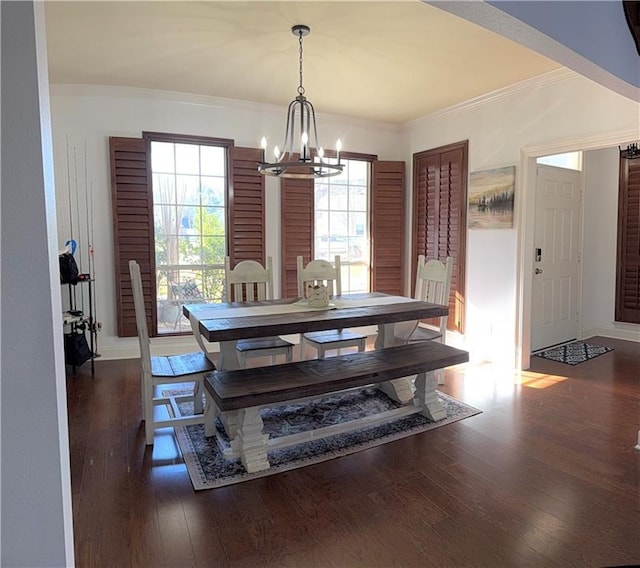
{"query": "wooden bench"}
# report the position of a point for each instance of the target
(236, 396)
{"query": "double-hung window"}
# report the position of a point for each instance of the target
(341, 224)
(189, 182)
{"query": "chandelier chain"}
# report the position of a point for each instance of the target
(300, 87)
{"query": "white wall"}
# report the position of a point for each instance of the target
(558, 107)
(84, 118)
(553, 109)
(36, 516)
(601, 169)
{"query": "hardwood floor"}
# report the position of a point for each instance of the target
(547, 475)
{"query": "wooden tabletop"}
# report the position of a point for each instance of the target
(215, 328)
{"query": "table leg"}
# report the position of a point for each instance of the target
(228, 356)
(427, 398)
(250, 442)
(400, 390)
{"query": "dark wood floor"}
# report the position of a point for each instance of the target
(547, 475)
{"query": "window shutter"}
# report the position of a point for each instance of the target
(246, 207)
(628, 259)
(440, 216)
(132, 207)
(297, 214)
(387, 227)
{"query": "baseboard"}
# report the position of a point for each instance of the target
(626, 332)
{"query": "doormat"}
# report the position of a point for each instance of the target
(208, 469)
(574, 353)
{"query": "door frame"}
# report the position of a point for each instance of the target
(525, 211)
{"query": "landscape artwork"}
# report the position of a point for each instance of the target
(491, 194)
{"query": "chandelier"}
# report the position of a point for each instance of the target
(632, 152)
(301, 155)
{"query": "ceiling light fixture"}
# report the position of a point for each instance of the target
(632, 152)
(298, 157)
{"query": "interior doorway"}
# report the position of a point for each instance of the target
(525, 207)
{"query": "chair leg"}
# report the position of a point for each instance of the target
(148, 407)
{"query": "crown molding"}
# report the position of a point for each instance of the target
(538, 82)
(210, 102)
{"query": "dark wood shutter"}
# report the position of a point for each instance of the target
(246, 207)
(132, 208)
(297, 214)
(387, 227)
(440, 216)
(628, 257)
(132, 205)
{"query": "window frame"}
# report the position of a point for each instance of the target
(369, 159)
(225, 143)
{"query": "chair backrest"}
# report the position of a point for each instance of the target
(141, 317)
(320, 272)
(433, 283)
(248, 281)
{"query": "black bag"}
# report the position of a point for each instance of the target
(68, 269)
(76, 349)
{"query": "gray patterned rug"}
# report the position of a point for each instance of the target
(574, 353)
(208, 469)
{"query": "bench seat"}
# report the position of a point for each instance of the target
(238, 395)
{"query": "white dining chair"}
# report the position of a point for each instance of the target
(249, 281)
(161, 409)
(433, 284)
(323, 272)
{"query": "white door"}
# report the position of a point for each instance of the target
(556, 265)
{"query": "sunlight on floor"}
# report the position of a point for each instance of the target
(537, 380)
(506, 377)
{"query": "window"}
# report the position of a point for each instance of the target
(360, 216)
(189, 183)
(190, 237)
(341, 224)
(570, 161)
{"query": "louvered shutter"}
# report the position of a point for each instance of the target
(132, 209)
(440, 216)
(387, 227)
(628, 261)
(297, 214)
(247, 218)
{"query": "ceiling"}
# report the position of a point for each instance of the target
(383, 61)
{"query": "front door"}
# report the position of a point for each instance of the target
(556, 266)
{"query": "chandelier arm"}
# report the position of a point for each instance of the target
(289, 131)
(316, 141)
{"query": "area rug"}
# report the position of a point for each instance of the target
(574, 353)
(208, 468)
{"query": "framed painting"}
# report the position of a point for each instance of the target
(491, 194)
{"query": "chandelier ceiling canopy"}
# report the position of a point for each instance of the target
(301, 155)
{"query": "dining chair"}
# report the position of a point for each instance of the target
(162, 408)
(323, 272)
(250, 281)
(433, 284)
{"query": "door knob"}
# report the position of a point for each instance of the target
(538, 271)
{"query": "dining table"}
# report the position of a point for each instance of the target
(228, 322)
